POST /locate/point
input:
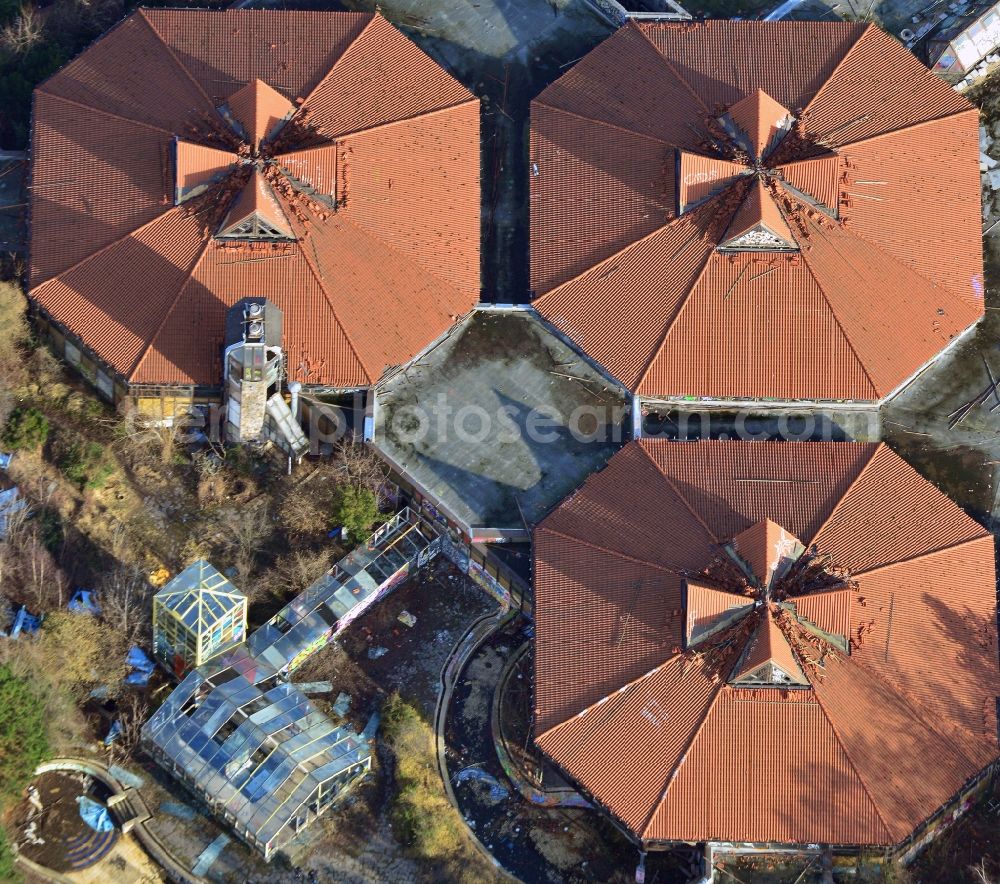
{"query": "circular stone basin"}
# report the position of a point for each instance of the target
(56, 836)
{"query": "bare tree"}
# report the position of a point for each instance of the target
(24, 32)
(133, 709)
(125, 597)
(358, 465)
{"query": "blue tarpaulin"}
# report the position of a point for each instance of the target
(5, 459)
(114, 733)
(142, 667)
(95, 815)
(83, 602)
(138, 659)
(24, 622)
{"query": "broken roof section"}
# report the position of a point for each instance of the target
(802, 166)
(869, 663)
(350, 161)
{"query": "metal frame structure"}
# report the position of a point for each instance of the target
(196, 616)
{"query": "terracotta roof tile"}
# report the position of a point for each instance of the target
(256, 203)
(289, 50)
(706, 609)
(316, 166)
(766, 547)
(427, 208)
(817, 177)
(848, 269)
(869, 528)
(927, 629)
(625, 191)
(758, 211)
(894, 203)
(724, 61)
(382, 77)
(768, 647)
(315, 343)
(259, 109)
(633, 617)
(906, 764)
(761, 119)
(197, 166)
(642, 305)
(866, 94)
(741, 308)
(126, 182)
(160, 254)
(830, 611)
(130, 73)
(631, 95)
(857, 186)
(791, 790)
(377, 277)
(656, 715)
(701, 177)
(885, 734)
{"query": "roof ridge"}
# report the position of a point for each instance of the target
(840, 325)
(672, 69)
(676, 491)
(648, 674)
(923, 555)
(914, 705)
(108, 113)
(180, 291)
(337, 60)
(176, 60)
(850, 761)
(626, 248)
(169, 207)
(917, 125)
(363, 231)
(300, 242)
(684, 303)
(852, 231)
(683, 756)
(606, 123)
(390, 123)
(836, 69)
(616, 553)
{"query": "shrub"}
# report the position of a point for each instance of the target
(357, 510)
(8, 871)
(421, 814)
(24, 742)
(82, 651)
(86, 464)
(26, 428)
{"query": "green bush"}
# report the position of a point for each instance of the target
(24, 742)
(86, 464)
(8, 871)
(422, 817)
(26, 428)
(357, 510)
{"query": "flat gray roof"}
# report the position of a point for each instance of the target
(501, 420)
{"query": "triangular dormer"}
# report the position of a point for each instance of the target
(758, 224)
(256, 214)
(768, 660)
(766, 550)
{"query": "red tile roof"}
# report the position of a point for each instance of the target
(817, 156)
(376, 175)
(890, 620)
